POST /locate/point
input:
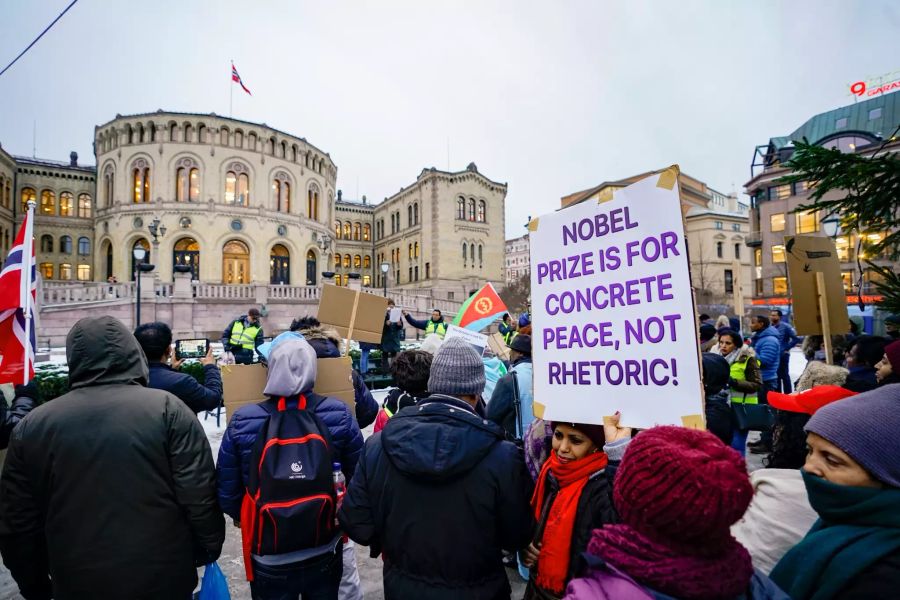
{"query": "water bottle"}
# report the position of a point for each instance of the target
(340, 489)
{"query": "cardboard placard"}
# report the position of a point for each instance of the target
(477, 340)
(498, 346)
(807, 255)
(355, 315)
(244, 384)
(613, 309)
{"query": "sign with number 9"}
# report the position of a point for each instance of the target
(858, 88)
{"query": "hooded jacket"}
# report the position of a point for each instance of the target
(291, 372)
(110, 488)
(25, 399)
(440, 494)
(327, 344)
(767, 344)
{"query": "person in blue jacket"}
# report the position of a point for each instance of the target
(766, 342)
(789, 339)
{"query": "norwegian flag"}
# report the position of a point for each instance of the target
(236, 77)
(17, 294)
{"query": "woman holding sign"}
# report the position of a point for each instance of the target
(572, 498)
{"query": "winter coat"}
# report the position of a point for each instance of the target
(395, 401)
(327, 344)
(440, 493)
(197, 396)
(25, 399)
(789, 337)
(605, 582)
(233, 466)
(390, 335)
(501, 409)
(719, 418)
(750, 384)
(110, 488)
(767, 345)
(861, 379)
(778, 517)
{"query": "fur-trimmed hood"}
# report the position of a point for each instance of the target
(326, 342)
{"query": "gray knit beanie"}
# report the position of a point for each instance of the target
(865, 427)
(456, 370)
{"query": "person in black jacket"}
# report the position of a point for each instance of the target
(501, 407)
(156, 342)
(864, 354)
(440, 493)
(25, 398)
(109, 491)
(716, 373)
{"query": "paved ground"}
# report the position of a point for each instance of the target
(231, 560)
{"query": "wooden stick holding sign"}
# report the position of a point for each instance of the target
(823, 309)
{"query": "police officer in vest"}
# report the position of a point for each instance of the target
(243, 336)
(435, 324)
(507, 328)
(511, 403)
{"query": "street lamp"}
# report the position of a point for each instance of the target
(139, 254)
(385, 267)
(831, 224)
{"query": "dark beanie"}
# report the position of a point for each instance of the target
(456, 370)
(716, 373)
(521, 343)
(892, 351)
(707, 332)
(865, 427)
(681, 486)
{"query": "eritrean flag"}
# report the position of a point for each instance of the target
(481, 309)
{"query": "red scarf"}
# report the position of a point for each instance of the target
(553, 564)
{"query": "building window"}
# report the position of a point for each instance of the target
(779, 286)
(480, 256)
(800, 187)
(409, 216)
(735, 227)
(140, 179)
(337, 261)
(779, 192)
(461, 208)
(65, 271)
(482, 210)
(840, 123)
(471, 209)
(47, 270)
(719, 250)
(410, 275)
(807, 221)
(778, 253)
(737, 251)
(472, 254)
(367, 232)
(416, 213)
(347, 261)
(357, 228)
(84, 272)
(729, 281)
(84, 206)
(410, 252)
(465, 253)
(282, 191)
(312, 205)
(357, 262)
(48, 203)
(237, 188)
(348, 231)
(367, 281)
(109, 177)
(847, 279)
(416, 250)
(875, 113)
(337, 229)
(758, 287)
(776, 222)
(84, 246)
(66, 204)
(28, 195)
(367, 262)
(65, 245)
(46, 243)
(427, 270)
(719, 225)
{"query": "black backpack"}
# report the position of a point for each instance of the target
(290, 496)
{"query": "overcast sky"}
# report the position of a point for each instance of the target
(550, 97)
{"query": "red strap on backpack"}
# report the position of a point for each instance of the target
(301, 403)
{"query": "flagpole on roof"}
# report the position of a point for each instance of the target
(27, 262)
(231, 91)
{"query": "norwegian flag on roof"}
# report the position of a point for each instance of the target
(16, 303)
(236, 77)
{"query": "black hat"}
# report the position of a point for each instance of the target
(716, 372)
(521, 343)
(707, 332)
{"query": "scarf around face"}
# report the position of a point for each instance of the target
(553, 563)
(716, 571)
(857, 527)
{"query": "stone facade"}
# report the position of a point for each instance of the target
(7, 196)
(518, 258)
(354, 241)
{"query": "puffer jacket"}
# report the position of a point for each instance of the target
(767, 345)
(327, 344)
(233, 466)
(109, 490)
(25, 399)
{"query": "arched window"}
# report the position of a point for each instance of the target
(84, 206)
(416, 250)
(346, 261)
(152, 129)
(279, 265)
(66, 204)
(348, 231)
(140, 179)
(47, 270)
(270, 146)
(201, 133)
(357, 262)
(173, 132)
(139, 243)
(312, 205)
(109, 177)
(284, 150)
(367, 262)
(337, 230)
(482, 209)
(294, 158)
(48, 203)
(337, 261)
(130, 133)
(239, 138)
(251, 141)
(84, 246)
(416, 213)
(46, 243)
(188, 133)
(461, 208)
(281, 187)
(65, 245)
(465, 252)
(223, 136)
(237, 185)
(409, 251)
(311, 267)
(140, 131)
(83, 272)
(187, 253)
(235, 262)
(28, 195)
(480, 255)
(65, 271)
(472, 254)
(187, 181)
(409, 216)
(471, 209)
(367, 232)
(357, 228)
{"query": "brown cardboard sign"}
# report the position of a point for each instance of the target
(807, 255)
(244, 384)
(498, 346)
(355, 315)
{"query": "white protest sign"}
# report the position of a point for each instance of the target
(479, 341)
(613, 312)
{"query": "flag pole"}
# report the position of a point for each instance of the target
(27, 263)
(231, 92)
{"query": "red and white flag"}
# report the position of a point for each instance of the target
(17, 293)
(236, 77)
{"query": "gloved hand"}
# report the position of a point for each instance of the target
(203, 556)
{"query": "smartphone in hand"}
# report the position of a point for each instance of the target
(197, 348)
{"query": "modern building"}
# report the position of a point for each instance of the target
(716, 226)
(518, 258)
(861, 128)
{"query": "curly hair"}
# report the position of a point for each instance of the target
(788, 441)
(304, 323)
(411, 369)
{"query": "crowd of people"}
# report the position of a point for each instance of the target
(111, 490)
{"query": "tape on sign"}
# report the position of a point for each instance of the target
(668, 177)
(533, 225)
(605, 195)
(693, 422)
